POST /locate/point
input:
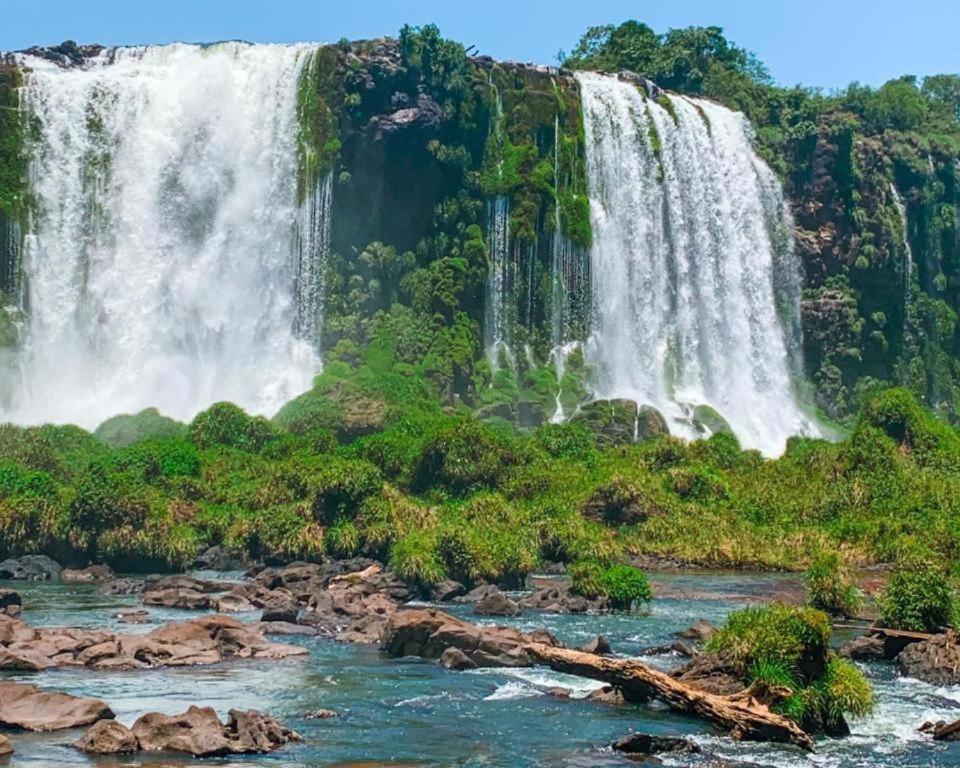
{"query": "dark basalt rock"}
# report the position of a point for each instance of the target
(446, 591)
(559, 598)
(10, 602)
(935, 661)
(67, 54)
(426, 116)
(496, 604)
(715, 673)
(865, 648)
(645, 744)
(620, 422)
(217, 558)
(30, 568)
(477, 594)
(285, 610)
(123, 586)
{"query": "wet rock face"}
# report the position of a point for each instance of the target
(30, 568)
(67, 54)
(31, 709)
(6, 748)
(433, 634)
(935, 661)
(197, 732)
(621, 422)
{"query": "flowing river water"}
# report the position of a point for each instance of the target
(411, 712)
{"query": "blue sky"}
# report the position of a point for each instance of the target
(826, 43)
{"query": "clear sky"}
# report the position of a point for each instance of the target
(825, 43)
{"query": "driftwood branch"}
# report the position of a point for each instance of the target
(744, 716)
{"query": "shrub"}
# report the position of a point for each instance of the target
(339, 487)
(571, 441)
(830, 588)
(795, 638)
(228, 424)
(161, 458)
(463, 457)
(621, 585)
(126, 429)
(342, 539)
(918, 597)
(822, 706)
(415, 559)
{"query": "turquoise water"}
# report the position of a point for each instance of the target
(413, 712)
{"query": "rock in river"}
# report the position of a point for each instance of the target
(31, 709)
(30, 568)
(198, 732)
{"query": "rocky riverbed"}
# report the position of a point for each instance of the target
(406, 711)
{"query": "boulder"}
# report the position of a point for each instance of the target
(281, 609)
(935, 661)
(496, 604)
(607, 695)
(108, 737)
(942, 731)
(701, 631)
(30, 568)
(217, 558)
(93, 574)
(714, 673)
(447, 590)
(620, 422)
(429, 633)
(32, 709)
(123, 586)
(6, 748)
(199, 732)
(187, 599)
(645, 744)
(10, 602)
(865, 648)
(560, 598)
(599, 646)
(477, 594)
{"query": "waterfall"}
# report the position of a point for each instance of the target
(500, 280)
(907, 268)
(313, 248)
(683, 264)
(162, 262)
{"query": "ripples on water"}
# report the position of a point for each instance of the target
(410, 712)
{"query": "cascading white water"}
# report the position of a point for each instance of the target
(683, 262)
(500, 280)
(161, 268)
(313, 249)
(907, 269)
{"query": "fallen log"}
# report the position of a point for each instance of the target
(741, 714)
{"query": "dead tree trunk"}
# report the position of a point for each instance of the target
(741, 714)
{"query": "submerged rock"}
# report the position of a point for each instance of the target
(30, 568)
(645, 744)
(700, 631)
(32, 709)
(134, 617)
(93, 574)
(197, 732)
(560, 598)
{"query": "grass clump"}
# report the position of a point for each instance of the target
(830, 587)
(918, 597)
(623, 586)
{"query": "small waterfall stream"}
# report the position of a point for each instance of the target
(313, 250)
(500, 282)
(684, 264)
(907, 267)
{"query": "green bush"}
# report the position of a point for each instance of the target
(830, 588)
(342, 539)
(793, 637)
(161, 459)
(228, 424)
(415, 559)
(126, 429)
(571, 441)
(918, 597)
(621, 585)
(339, 487)
(463, 457)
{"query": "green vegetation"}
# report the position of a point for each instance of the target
(788, 647)
(621, 585)
(919, 597)
(830, 587)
